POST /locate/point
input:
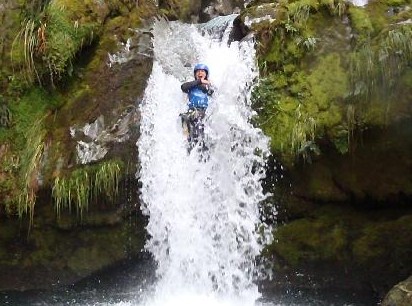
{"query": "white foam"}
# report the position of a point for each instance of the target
(203, 216)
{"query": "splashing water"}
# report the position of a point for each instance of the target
(203, 213)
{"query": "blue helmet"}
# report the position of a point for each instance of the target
(201, 67)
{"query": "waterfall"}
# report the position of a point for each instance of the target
(359, 2)
(203, 212)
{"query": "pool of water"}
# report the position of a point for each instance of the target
(131, 281)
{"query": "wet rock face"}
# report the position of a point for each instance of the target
(199, 10)
(64, 250)
(188, 11)
(216, 8)
(399, 295)
(239, 30)
(376, 175)
(61, 251)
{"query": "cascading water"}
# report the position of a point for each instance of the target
(203, 217)
(202, 207)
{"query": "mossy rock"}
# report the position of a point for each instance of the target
(96, 250)
(360, 20)
(385, 242)
(324, 237)
(378, 173)
(400, 294)
(374, 246)
(181, 10)
(316, 183)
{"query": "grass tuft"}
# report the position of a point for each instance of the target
(85, 184)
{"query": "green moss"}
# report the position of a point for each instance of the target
(378, 14)
(299, 11)
(35, 103)
(50, 39)
(295, 109)
(328, 82)
(302, 97)
(360, 21)
(96, 250)
(311, 240)
(66, 35)
(320, 185)
(376, 69)
(178, 9)
(283, 52)
(350, 237)
(385, 242)
(397, 2)
(375, 114)
(27, 136)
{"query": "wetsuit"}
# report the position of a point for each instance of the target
(198, 94)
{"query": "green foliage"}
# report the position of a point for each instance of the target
(22, 169)
(85, 184)
(294, 109)
(303, 134)
(314, 86)
(30, 107)
(107, 179)
(360, 21)
(397, 2)
(339, 7)
(299, 11)
(30, 167)
(49, 40)
(24, 49)
(285, 48)
(26, 137)
(309, 42)
(378, 63)
(31, 8)
(75, 189)
(279, 101)
(64, 38)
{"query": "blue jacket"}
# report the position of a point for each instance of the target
(198, 94)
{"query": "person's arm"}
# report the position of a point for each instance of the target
(210, 90)
(207, 87)
(189, 85)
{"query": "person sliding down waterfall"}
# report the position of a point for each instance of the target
(198, 92)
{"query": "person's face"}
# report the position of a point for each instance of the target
(200, 74)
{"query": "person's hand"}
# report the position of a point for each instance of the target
(205, 82)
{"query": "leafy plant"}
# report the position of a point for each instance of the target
(30, 168)
(25, 143)
(378, 63)
(107, 179)
(49, 40)
(27, 41)
(309, 43)
(85, 184)
(338, 7)
(299, 12)
(75, 189)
